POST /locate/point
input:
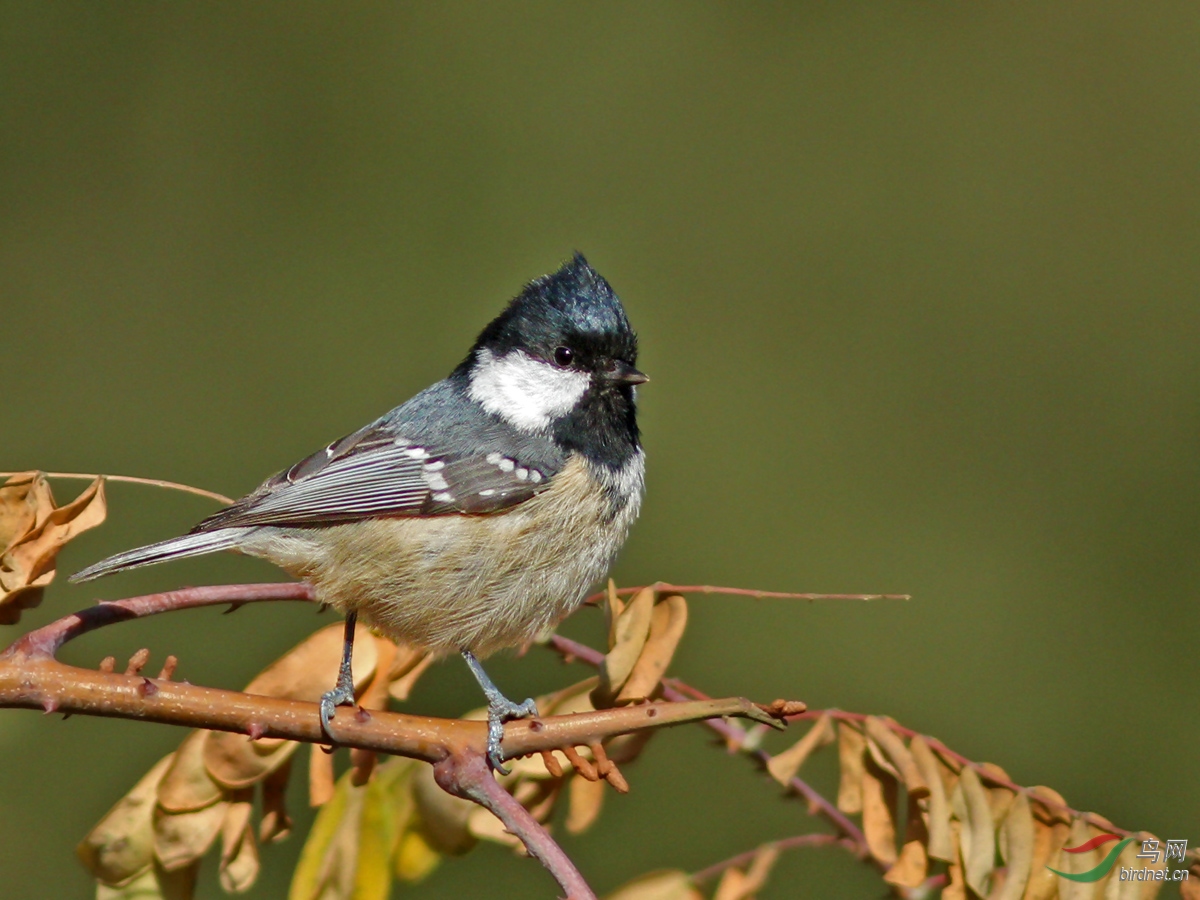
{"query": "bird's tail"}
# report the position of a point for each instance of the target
(175, 548)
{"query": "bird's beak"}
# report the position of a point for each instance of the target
(624, 373)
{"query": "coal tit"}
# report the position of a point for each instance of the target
(477, 514)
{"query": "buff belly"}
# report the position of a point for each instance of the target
(457, 582)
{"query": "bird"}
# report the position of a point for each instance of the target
(474, 516)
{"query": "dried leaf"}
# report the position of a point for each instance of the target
(912, 867)
(181, 838)
(957, 888)
(585, 798)
(239, 851)
(631, 630)
(1000, 798)
(1131, 888)
(1076, 863)
(738, 885)
(784, 766)
(187, 786)
(667, 623)
(851, 746)
(1048, 840)
(276, 824)
(121, 845)
(32, 532)
(1048, 805)
(303, 673)
(1017, 849)
(971, 806)
(154, 884)
(486, 827)
(320, 776)
(666, 884)
(879, 804)
(408, 665)
(898, 755)
(941, 846)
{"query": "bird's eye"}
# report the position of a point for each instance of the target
(564, 356)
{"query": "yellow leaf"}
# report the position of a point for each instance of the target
(154, 884)
(784, 766)
(1079, 862)
(121, 845)
(415, 859)
(33, 531)
(941, 844)
(667, 623)
(585, 798)
(971, 805)
(326, 866)
(666, 884)
(377, 837)
(738, 885)
(851, 745)
(1017, 849)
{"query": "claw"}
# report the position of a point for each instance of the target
(343, 692)
(500, 710)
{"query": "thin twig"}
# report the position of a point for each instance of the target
(134, 479)
(741, 592)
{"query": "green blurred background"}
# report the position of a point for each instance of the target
(916, 285)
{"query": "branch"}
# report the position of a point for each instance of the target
(32, 678)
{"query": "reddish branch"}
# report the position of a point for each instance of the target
(31, 677)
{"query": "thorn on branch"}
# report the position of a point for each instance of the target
(148, 688)
(233, 607)
(255, 730)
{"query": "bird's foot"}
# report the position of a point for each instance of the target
(501, 710)
(342, 695)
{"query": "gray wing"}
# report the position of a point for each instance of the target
(374, 473)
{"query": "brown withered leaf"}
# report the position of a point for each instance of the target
(181, 838)
(912, 867)
(1048, 840)
(668, 620)
(1048, 805)
(851, 746)
(187, 785)
(239, 851)
(901, 760)
(941, 844)
(784, 766)
(32, 532)
(879, 797)
(666, 884)
(630, 631)
(276, 824)
(1075, 863)
(971, 806)
(408, 665)
(999, 798)
(738, 885)
(155, 884)
(320, 776)
(121, 845)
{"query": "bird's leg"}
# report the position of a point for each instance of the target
(500, 710)
(343, 692)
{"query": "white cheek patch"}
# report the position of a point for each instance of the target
(527, 392)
